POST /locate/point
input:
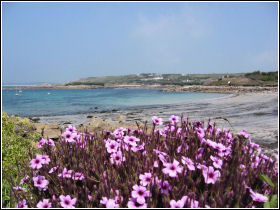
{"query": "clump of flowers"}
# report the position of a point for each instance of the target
(179, 164)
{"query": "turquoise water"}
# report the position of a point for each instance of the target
(31, 103)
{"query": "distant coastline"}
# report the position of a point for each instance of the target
(168, 88)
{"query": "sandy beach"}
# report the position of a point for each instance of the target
(256, 112)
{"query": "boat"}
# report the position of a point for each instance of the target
(16, 92)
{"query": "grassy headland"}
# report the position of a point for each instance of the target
(245, 79)
(167, 81)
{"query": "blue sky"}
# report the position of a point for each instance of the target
(58, 42)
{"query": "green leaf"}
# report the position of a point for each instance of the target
(266, 179)
(266, 204)
(273, 201)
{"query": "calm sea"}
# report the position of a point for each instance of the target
(31, 103)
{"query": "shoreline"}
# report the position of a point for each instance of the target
(167, 88)
(257, 113)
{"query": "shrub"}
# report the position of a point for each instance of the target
(17, 137)
(185, 164)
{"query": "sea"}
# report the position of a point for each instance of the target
(56, 102)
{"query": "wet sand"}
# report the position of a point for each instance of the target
(257, 113)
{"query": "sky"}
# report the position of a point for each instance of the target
(57, 42)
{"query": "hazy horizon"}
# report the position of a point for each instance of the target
(56, 42)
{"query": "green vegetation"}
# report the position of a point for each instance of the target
(256, 78)
(263, 76)
(17, 139)
(85, 83)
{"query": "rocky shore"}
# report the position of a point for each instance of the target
(256, 112)
(168, 88)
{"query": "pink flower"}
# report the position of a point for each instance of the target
(224, 152)
(174, 119)
(164, 187)
(104, 200)
(178, 150)
(217, 162)
(145, 179)
(53, 169)
(131, 140)
(179, 131)
(139, 193)
(200, 132)
(210, 176)
(40, 182)
(112, 146)
(65, 173)
(258, 197)
(67, 202)
(244, 134)
(219, 147)
(111, 203)
(117, 158)
(201, 166)
(36, 163)
(156, 120)
(133, 203)
(68, 136)
(41, 143)
(169, 128)
(22, 204)
(131, 147)
(71, 129)
(44, 204)
(218, 132)
(172, 168)
(210, 143)
(23, 179)
(50, 142)
(156, 164)
(177, 204)
(188, 162)
(78, 176)
(199, 153)
(194, 204)
(19, 188)
(119, 132)
(45, 159)
(161, 132)
(45, 141)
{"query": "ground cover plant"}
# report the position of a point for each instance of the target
(179, 164)
(17, 139)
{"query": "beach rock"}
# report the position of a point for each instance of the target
(39, 127)
(48, 130)
(89, 116)
(96, 107)
(52, 131)
(96, 122)
(120, 118)
(34, 119)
